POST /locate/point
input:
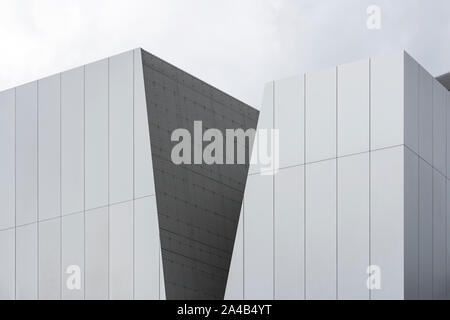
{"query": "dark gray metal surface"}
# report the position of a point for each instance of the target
(445, 80)
(198, 205)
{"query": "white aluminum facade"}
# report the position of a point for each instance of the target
(76, 186)
(364, 168)
(85, 195)
(363, 180)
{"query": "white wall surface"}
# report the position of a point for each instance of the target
(383, 208)
(387, 221)
(321, 212)
(289, 114)
(353, 226)
(97, 254)
(121, 127)
(97, 135)
(258, 238)
(26, 154)
(387, 100)
(50, 259)
(49, 145)
(81, 137)
(7, 264)
(353, 111)
(7, 160)
(289, 233)
(411, 225)
(320, 119)
(27, 262)
(76, 143)
(72, 141)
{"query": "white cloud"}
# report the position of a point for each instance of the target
(236, 45)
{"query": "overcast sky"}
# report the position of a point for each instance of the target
(235, 45)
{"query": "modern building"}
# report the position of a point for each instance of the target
(358, 209)
(91, 205)
(363, 181)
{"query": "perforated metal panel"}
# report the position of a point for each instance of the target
(198, 205)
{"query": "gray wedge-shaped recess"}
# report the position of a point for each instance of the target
(198, 204)
(445, 80)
